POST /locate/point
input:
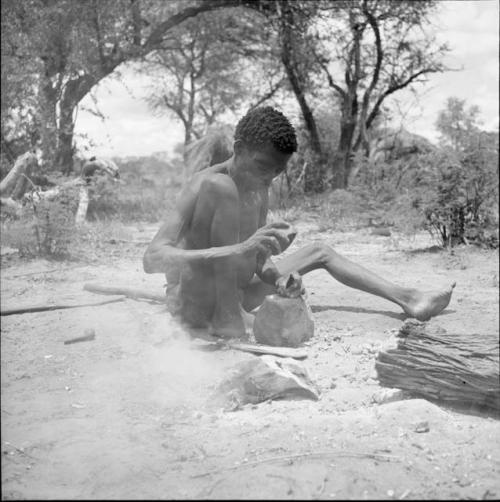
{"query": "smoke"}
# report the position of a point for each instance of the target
(148, 362)
(186, 372)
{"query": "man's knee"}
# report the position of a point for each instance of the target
(321, 252)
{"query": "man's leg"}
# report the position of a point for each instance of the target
(415, 303)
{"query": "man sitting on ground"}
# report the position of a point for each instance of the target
(216, 250)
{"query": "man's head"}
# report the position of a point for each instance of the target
(264, 141)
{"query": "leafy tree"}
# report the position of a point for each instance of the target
(463, 181)
(73, 45)
(206, 73)
(293, 20)
(378, 47)
(19, 127)
(456, 124)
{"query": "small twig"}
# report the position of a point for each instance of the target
(87, 337)
(321, 488)
(212, 488)
(297, 456)
(405, 494)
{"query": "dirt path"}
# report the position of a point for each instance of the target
(128, 415)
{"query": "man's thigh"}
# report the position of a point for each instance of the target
(197, 295)
(255, 292)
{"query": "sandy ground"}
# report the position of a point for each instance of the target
(130, 414)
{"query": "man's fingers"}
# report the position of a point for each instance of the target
(272, 243)
(278, 224)
(280, 236)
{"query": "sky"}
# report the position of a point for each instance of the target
(470, 27)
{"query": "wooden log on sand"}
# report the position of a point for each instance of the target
(128, 292)
(453, 368)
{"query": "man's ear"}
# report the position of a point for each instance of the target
(238, 147)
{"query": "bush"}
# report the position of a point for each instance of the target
(147, 190)
(451, 193)
(460, 207)
(46, 228)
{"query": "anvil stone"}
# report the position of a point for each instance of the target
(283, 322)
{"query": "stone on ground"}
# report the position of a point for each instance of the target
(283, 322)
(268, 377)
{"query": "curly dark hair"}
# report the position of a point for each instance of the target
(267, 124)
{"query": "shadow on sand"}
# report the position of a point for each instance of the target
(360, 310)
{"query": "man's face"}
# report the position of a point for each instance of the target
(256, 167)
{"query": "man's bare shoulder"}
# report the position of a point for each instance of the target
(217, 172)
(189, 194)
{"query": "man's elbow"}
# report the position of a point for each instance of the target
(148, 263)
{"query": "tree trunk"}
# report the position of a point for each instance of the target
(48, 122)
(187, 134)
(342, 164)
(314, 175)
(64, 158)
(313, 179)
(74, 91)
(15, 184)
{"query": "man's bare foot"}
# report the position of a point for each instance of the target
(428, 304)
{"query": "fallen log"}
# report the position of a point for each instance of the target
(15, 184)
(452, 368)
(43, 308)
(128, 292)
(253, 348)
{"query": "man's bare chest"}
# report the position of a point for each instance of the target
(251, 206)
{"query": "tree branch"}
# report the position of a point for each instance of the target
(380, 54)
(156, 36)
(362, 136)
(136, 22)
(269, 94)
(395, 88)
(95, 19)
(331, 83)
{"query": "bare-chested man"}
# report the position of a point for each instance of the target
(216, 250)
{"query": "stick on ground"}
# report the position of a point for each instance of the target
(42, 308)
(128, 292)
(298, 456)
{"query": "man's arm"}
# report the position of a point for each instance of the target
(164, 251)
(266, 269)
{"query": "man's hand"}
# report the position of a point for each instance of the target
(271, 239)
(290, 286)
